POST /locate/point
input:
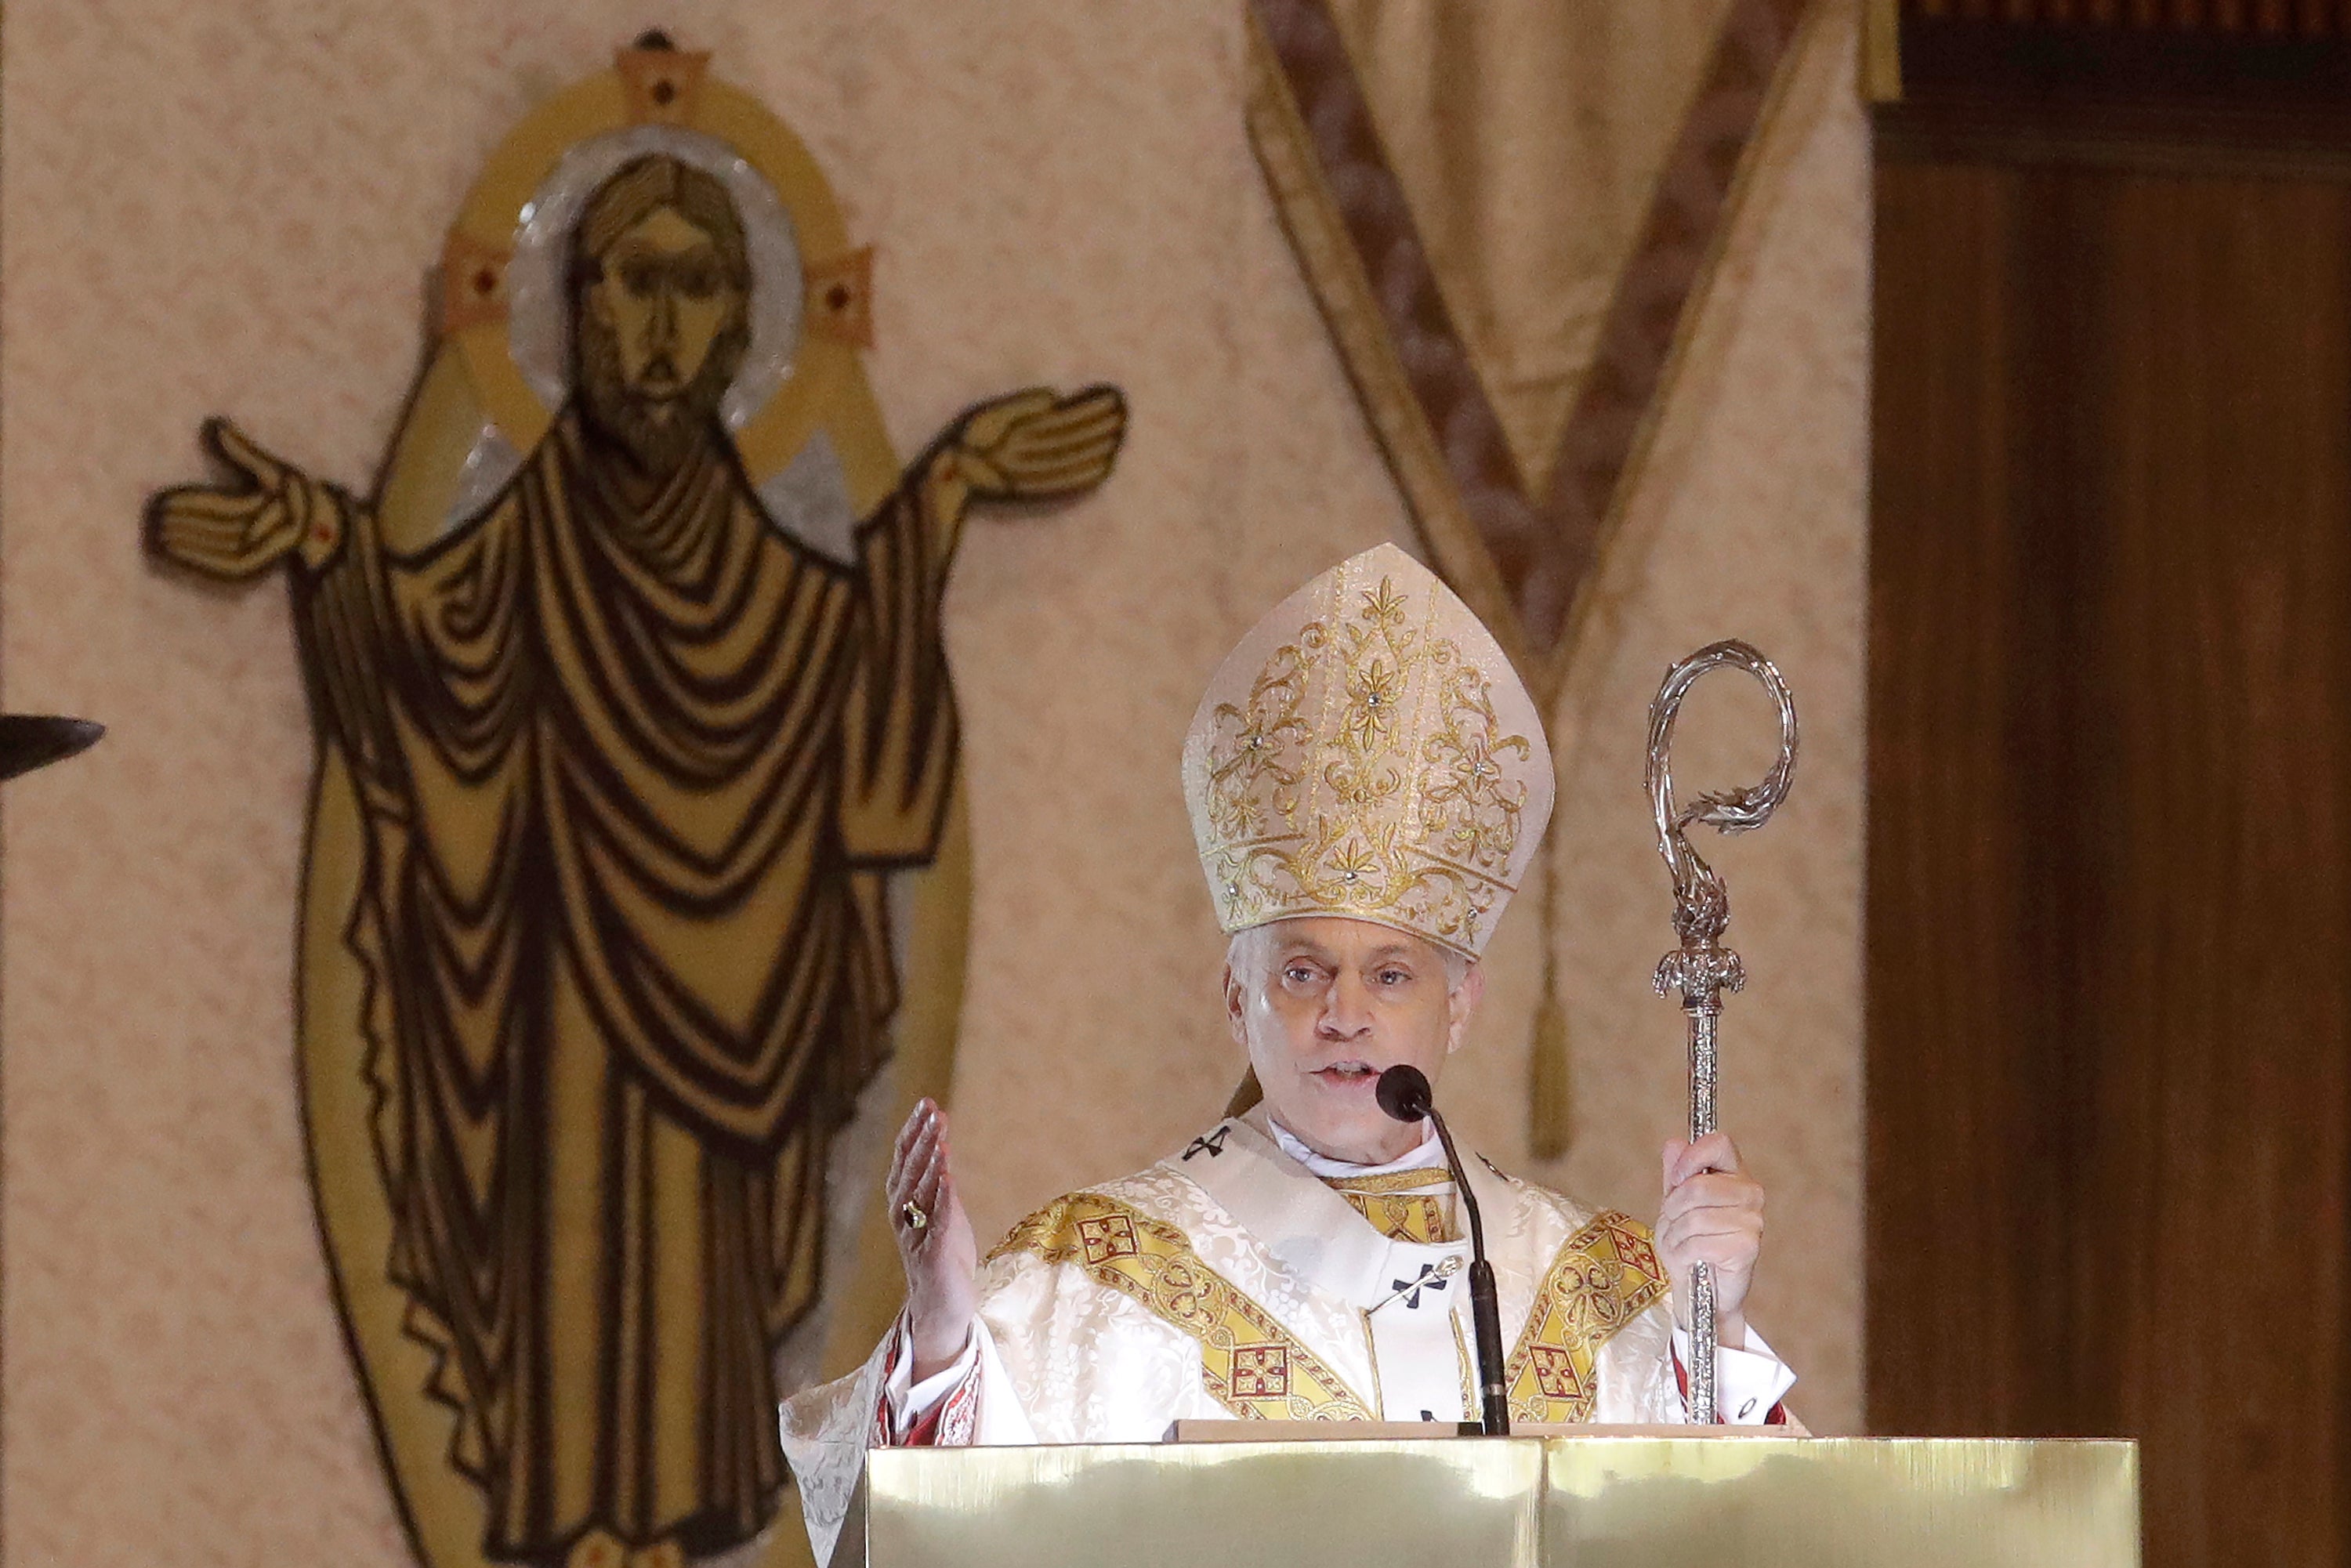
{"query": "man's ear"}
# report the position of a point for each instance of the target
(1461, 1002)
(1236, 1007)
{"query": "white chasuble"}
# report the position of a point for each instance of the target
(1230, 1281)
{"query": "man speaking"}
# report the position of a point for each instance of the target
(1368, 781)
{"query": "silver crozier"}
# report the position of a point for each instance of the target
(1702, 969)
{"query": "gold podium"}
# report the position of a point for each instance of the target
(1586, 1500)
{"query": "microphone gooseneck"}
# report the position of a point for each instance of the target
(1404, 1094)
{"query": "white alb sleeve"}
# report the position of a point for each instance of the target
(1747, 1383)
(909, 1401)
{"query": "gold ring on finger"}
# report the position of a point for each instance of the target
(913, 1216)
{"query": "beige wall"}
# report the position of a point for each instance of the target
(228, 207)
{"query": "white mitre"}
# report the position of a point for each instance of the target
(1368, 751)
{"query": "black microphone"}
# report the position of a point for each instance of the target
(1404, 1094)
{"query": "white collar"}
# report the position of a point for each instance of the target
(1428, 1153)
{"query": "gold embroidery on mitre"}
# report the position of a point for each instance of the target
(1604, 1276)
(1367, 772)
(1249, 1363)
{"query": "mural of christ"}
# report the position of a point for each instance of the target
(624, 749)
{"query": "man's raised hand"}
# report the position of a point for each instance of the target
(1713, 1213)
(240, 529)
(934, 1242)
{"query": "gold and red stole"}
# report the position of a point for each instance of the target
(1570, 1282)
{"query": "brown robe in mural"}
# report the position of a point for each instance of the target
(625, 761)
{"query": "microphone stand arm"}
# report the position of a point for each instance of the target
(1485, 1316)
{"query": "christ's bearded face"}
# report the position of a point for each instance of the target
(661, 329)
(1324, 1005)
(667, 297)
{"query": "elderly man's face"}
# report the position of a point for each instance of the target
(1324, 1006)
(665, 297)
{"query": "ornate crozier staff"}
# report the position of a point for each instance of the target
(1702, 969)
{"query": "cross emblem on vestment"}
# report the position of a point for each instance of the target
(1410, 1289)
(1214, 1142)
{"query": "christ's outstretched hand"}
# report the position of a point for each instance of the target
(267, 510)
(1038, 445)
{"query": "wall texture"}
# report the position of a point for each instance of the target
(229, 208)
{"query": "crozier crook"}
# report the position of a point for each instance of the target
(1702, 969)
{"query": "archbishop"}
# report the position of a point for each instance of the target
(1368, 781)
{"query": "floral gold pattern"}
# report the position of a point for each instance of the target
(1604, 1277)
(1249, 1363)
(1368, 751)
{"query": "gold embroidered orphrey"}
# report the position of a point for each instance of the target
(1250, 1363)
(1602, 1278)
(1366, 770)
(636, 845)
